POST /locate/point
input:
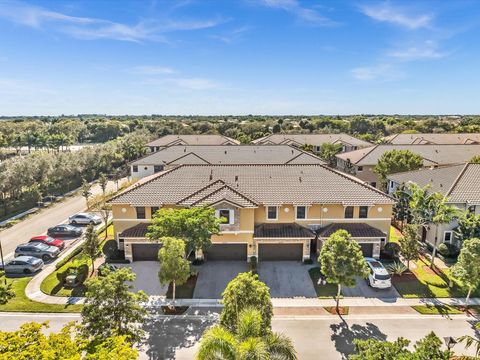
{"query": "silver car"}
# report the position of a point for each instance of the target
(38, 250)
(23, 265)
(85, 219)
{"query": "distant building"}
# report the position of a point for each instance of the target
(348, 142)
(168, 157)
(439, 139)
(459, 183)
(361, 163)
(169, 140)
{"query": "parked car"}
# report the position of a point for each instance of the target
(379, 277)
(38, 250)
(23, 265)
(64, 230)
(48, 240)
(85, 219)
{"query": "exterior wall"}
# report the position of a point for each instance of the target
(143, 170)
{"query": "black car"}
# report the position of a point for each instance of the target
(64, 230)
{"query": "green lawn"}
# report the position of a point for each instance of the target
(20, 303)
(423, 282)
(394, 235)
(323, 291)
(437, 310)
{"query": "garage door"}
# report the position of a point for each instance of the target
(274, 252)
(367, 249)
(145, 252)
(226, 252)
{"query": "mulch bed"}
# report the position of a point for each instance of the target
(404, 277)
(177, 310)
(342, 310)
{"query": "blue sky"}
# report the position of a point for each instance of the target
(239, 57)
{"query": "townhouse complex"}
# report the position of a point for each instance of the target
(439, 139)
(171, 140)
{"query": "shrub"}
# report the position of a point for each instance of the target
(443, 249)
(396, 268)
(308, 261)
(253, 263)
(391, 250)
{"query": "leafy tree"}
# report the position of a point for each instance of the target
(467, 268)
(103, 181)
(31, 343)
(86, 187)
(430, 208)
(401, 208)
(341, 261)
(328, 152)
(468, 226)
(111, 308)
(248, 341)
(395, 161)
(6, 292)
(243, 292)
(409, 245)
(428, 348)
(470, 340)
(475, 160)
(174, 267)
(100, 204)
(195, 225)
(91, 245)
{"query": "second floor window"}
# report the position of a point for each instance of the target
(157, 168)
(135, 168)
(272, 213)
(349, 212)
(471, 209)
(224, 215)
(301, 212)
(153, 210)
(140, 212)
(363, 213)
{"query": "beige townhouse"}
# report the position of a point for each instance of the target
(175, 155)
(272, 212)
(170, 140)
(426, 138)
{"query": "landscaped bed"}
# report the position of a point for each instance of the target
(21, 303)
(184, 291)
(323, 291)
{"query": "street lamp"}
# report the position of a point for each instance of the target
(449, 342)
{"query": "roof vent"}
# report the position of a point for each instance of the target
(184, 149)
(236, 177)
(211, 175)
(300, 179)
(225, 151)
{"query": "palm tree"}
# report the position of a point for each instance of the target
(246, 343)
(470, 340)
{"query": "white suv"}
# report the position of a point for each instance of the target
(85, 219)
(379, 277)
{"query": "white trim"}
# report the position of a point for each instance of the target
(346, 219)
(134, 219)
(451, 236)
(284, 239)
(237, 232)
(276, 213)
(306, 211)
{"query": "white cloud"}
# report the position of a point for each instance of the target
(306, 14)
(427, 50)
(94, 28)
(377, 72)
(386, 12)
(151, 70)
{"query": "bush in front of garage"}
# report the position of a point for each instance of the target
(391, 251)
(113, 254)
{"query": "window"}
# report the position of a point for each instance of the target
(272, 213)
(373, 183)
(224, 214)
(360, 168)
(153, 210)
(363, 213)
(301, 212)
(349, 212)
(318, 148)
(157, 168)
(447, 236)
(471, 209)
(140, 212)
(135, 168)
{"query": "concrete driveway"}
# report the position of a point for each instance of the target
(213, 277)
(363, 289)
(147, 277)
(287, 279)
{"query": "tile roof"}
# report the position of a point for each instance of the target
(432, 154)
(465, 138)
(227, 154)
(282, 230)
(310, 139)
(136, 231)
(261, 184)
(169, 140)
(459, 183)
(356, 230)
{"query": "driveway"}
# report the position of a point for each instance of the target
(147, 277)
(363, 289)
(213, 277)
(286, 279)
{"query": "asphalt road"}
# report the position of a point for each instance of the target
(38, 224)
(314, 338)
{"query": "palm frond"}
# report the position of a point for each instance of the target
(249, 324)
(280, 347)
(253, 349)
(217, 344)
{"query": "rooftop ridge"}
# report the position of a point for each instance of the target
(457, 179)
(226, 186)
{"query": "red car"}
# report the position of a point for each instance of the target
(48, 240)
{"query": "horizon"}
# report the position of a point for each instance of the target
(270, 57)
